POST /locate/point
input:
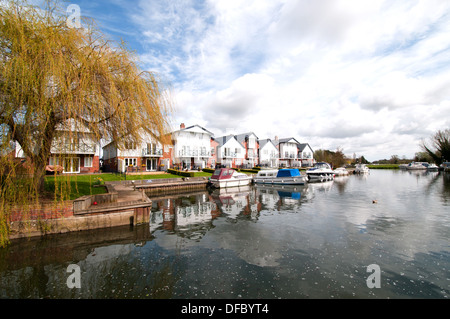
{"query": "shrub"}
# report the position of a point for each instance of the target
(181, 173)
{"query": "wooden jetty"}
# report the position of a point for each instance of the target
(159, 186)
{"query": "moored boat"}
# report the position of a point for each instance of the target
(432, 167)
(361, 169)
(227, 177)
(321, 172)
(417, 165)
(340, 171)
(280, 177)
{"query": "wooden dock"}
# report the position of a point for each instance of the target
(161, 186)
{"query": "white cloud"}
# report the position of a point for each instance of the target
(369, 76)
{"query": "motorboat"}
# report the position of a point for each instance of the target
(361, 169)
(280, 177)
(321, 172)
(264, 175)
(340, 171)
(227, 177)
(432, 167)
(417, 166)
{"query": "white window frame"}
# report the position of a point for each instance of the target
(71, 164)
(90, 161)
(127, 161)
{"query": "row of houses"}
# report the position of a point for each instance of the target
(192, 147)
(195, 147)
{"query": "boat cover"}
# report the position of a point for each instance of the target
(288, 173)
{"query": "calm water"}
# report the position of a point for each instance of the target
(314, 241)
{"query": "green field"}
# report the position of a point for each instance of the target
(75, 186)
(384, 166)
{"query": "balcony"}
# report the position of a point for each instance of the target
(79, 148)
(194, 153)
(289, 156)
(155, 152)
(229, 154)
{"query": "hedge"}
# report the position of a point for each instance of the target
(181, 173)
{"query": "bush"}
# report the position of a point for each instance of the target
(181, 173)
(208, 170)
(251, 171)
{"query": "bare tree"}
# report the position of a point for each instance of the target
(440, 146)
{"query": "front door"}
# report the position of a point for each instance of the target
(72, 165)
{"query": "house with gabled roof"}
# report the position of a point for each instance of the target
(288, 151)
(193, 147)
(250, 142)
(306, 155)
(268, 153)
(230, 153)
(146, 156)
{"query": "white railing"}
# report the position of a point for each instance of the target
(193, 153)
(152, 152)
(80, 148)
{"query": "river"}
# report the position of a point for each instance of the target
(321, 240)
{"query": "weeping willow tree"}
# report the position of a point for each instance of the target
(57, 83)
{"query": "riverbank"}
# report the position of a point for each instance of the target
(118, 201)
(383, 166)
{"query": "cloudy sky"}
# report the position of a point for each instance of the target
(371, 77)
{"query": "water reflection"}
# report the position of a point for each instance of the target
(257, 242)
(191, 215)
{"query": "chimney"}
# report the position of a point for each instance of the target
(276, 138)
(182, 126)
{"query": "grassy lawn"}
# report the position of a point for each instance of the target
(384, 166)
(75, 186)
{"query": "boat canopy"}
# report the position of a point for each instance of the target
(222, 173)
(288, 172)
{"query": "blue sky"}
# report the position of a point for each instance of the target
(371, 77)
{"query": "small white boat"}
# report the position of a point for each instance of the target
(417, 166)
(280, 177)
(432, 167)
(340, 171)
(321, 172)
(361, 169)
(227, 177)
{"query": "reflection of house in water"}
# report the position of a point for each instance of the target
(235, 201)
(189, 215)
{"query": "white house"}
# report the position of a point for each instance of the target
(146, 156)
(305, 154)
(230, 152)
(192, 147)
(250, 142)
(268, 153)
(75, 148)
(288, 150)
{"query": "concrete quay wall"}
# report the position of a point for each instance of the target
(125, 203)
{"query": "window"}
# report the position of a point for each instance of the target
(88, 161)
(53, 161)
(251, 143)
(72, 165)
(130, 162)
(130, 145)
